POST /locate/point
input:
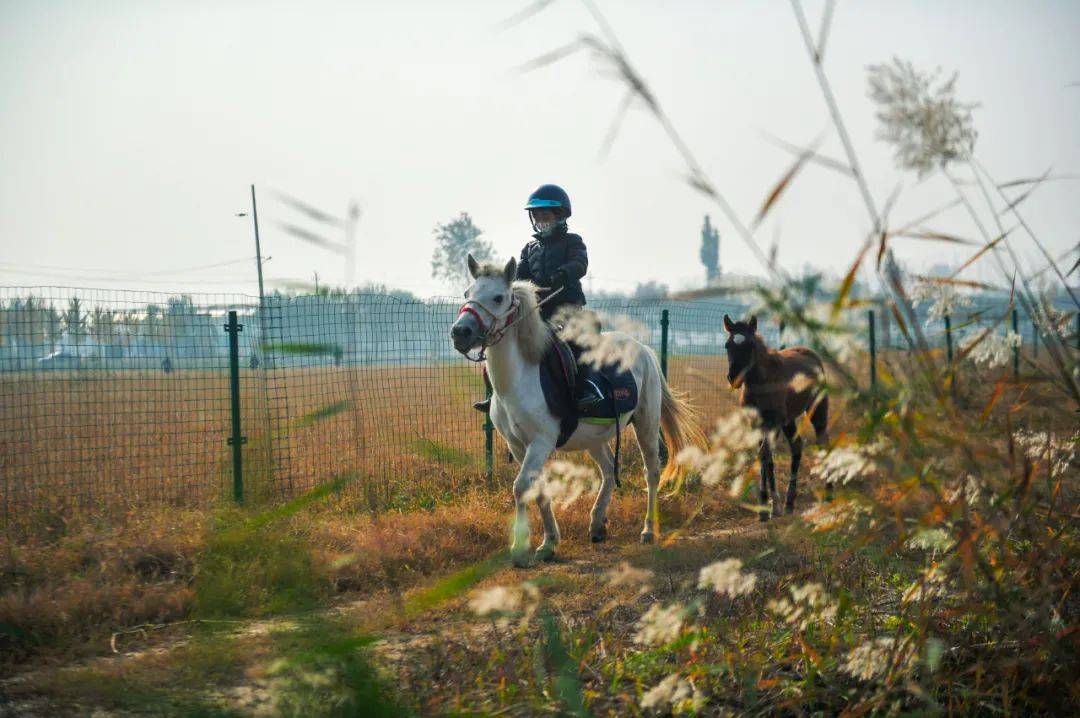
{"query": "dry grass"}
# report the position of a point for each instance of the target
(105, 442)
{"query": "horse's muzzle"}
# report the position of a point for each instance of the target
(464, 338)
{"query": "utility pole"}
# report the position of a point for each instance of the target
(258, 249)
(316, 282)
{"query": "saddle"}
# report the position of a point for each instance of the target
(577, 392)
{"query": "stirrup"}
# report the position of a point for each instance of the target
(483, 406)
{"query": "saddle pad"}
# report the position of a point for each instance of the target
(564, 382)
(618, 389)
(558, 374)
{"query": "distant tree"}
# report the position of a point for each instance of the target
(453, 242)
(74, 322)
(105, 331)
(53, 327)
(710, 251)
(810, 284)
(650, 290)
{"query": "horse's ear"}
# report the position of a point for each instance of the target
(510, 271)
(728, 325)
(474, 266)
(753, 324)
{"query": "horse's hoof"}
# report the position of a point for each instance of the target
(599, 534)
(520, 558)
(546, 552)
(647, 537)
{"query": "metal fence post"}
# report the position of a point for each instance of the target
(873, 349)
(948, 338)
(1016, 349)
(780, 336)
(663, 341)
(489, 444)
(237, 439)
(1034, 339)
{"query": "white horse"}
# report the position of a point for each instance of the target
(500, 315)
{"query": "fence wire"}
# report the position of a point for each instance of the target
(114, 400)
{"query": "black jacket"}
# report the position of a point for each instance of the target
(556, 261)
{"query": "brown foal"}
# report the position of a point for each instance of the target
(771, 384)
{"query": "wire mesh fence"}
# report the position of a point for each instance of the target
(114, 399)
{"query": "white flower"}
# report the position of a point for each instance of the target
(932, 585)
(930, 540)
(845, 463)
(843, 515)
(808, 603)
(801, 382)
(615, 346)
(727, 577)
(928, 126)
(1042, 446)
(733, 448)
(562, 483)
(967, 488)
(671, 690)
(944, 300)
(994, 350)
(502, 601)
(660, 625)
(872, 659)
(626, 576)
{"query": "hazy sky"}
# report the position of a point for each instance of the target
(130, 131)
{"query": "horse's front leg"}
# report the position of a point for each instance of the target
(536, 454)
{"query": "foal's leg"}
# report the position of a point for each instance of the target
(765, 454)
(605, 460)
(819, 419)
(795, 442)
(535, 455)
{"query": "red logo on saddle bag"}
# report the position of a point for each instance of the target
(622, 393)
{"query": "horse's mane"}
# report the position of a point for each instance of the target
(533, 333)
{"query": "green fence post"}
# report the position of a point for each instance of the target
(1034, 339)
(663, 341)
(489, 444)
(873, 349)
(237, 440)
(948, 338)
(1016, 349)
(781, 335)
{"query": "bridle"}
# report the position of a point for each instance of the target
(490, 331)
(490, 336)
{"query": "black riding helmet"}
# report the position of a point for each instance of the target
(549, 196)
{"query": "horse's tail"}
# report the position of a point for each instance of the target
(679, 424)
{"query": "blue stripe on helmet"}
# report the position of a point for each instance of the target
(538, 203)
